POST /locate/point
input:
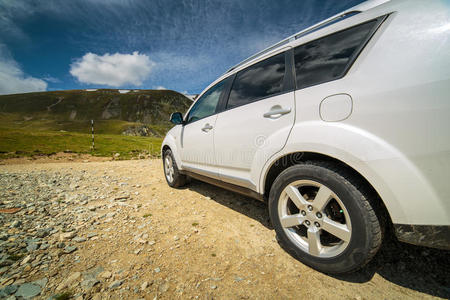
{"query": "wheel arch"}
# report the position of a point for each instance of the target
(294, 158)
(170, 143)
(164, 149)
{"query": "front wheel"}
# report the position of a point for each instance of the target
(323, 217)
(171, 172)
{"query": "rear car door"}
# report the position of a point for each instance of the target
(256, 120)
(196, 139)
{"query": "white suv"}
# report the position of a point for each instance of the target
(343, 128)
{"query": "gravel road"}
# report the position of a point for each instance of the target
(113, 230)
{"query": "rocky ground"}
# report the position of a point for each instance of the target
(112, 230)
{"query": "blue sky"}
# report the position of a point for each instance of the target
(180, 45)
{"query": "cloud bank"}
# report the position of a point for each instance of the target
(112, 69)
(13, 80)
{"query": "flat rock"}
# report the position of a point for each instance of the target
(70, 249)
(73, 277)
(8, 290)
(105, 275)
(88, 284)
(67, 235)
(115, 284)
(26, 260)
(28, 290)
(144, 285)
(41, 282)
(32, 247)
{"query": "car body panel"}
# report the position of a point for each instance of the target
(244, 138)
(197, 147)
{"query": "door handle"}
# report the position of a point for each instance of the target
(276, 112)
(207, 127)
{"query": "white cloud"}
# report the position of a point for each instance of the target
(13, 80)
(112, 69)
(160, 87)
(51, 79)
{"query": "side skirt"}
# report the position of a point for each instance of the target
(228, 186)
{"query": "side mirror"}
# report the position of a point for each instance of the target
(176, 118)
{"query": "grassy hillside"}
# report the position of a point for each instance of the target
(112, 111)
(48, 122)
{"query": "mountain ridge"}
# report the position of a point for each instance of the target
(72, 110)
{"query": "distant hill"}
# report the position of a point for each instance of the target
(134, 112)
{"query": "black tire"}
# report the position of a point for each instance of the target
(365, 226)
(178, 179)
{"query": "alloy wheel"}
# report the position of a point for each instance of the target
(314, 218)
(168, 168)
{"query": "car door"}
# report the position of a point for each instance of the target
(257, 119)
(196, 139)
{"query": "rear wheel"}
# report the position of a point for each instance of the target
(171, 172)
(324, 218)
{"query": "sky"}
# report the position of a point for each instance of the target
(181, 45)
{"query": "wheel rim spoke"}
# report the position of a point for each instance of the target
(169, 168)
(296, 197)
(321, 212)
(292, 220)
(337, 229)
(322, 198)
(314, 245)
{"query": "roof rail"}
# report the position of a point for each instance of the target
(327, 22)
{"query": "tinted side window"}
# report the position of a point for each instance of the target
(207, 103)
(327, 58)
(258, 81)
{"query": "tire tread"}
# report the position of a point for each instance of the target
(368, 199)
(179, 180)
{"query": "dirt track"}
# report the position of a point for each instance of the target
(200, 241)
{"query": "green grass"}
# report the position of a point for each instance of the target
(17, 143)
(43, 123)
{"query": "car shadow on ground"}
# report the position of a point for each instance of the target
(418, 268)
(250, 207)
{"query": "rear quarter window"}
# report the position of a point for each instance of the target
(329, 58)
